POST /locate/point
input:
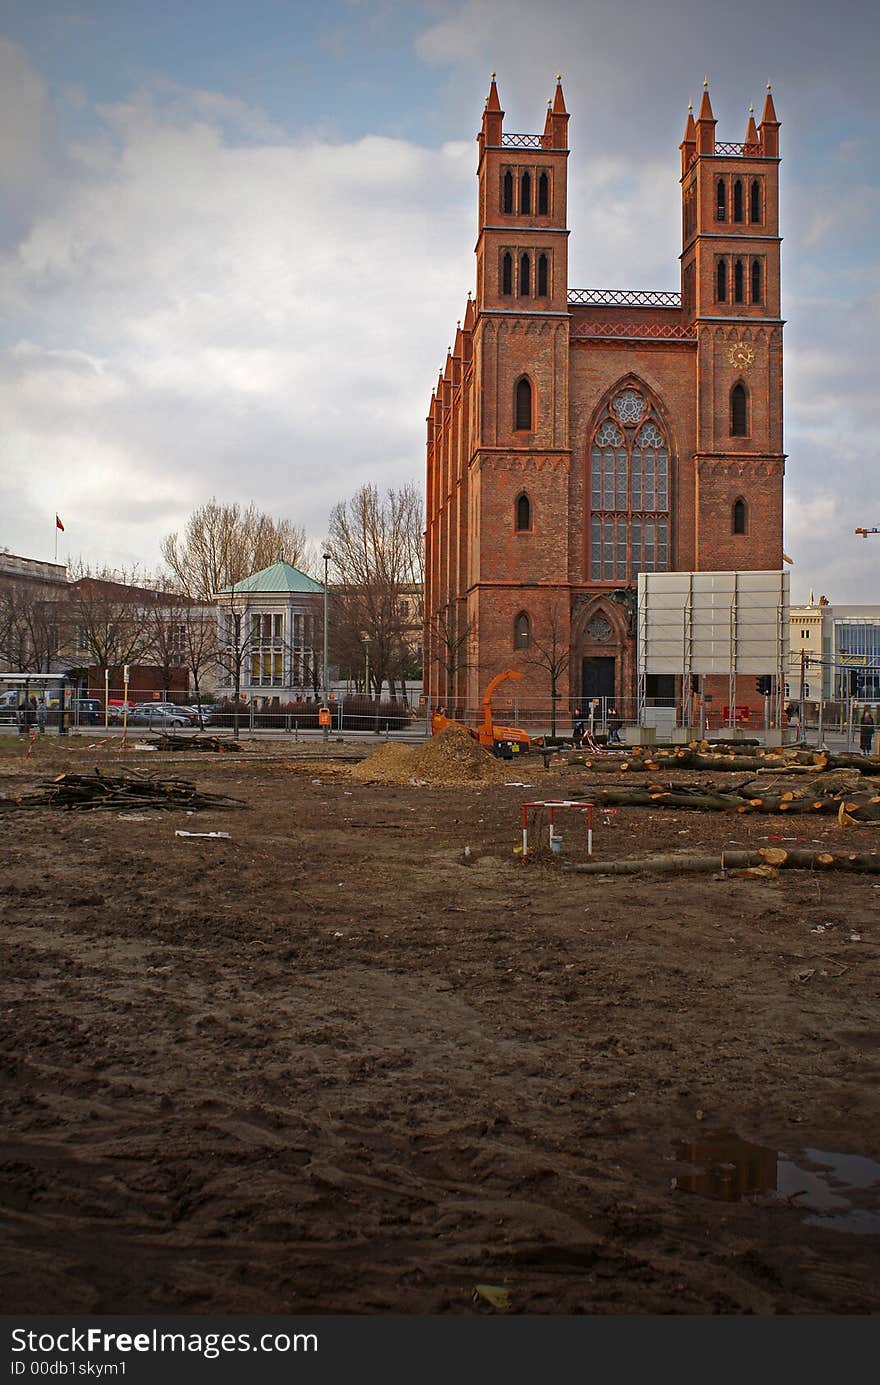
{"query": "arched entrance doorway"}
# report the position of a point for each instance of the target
(602, 652)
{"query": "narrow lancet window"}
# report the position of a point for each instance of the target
(522, 634)
(525, 194)
(757, 286)
(542, 276)
(721, 201)
(739, 295)
(721, 277)
(755, 201)
(525, 287)
(739, 412)
(738, 200)
(507, 192)
(507, 274)
(543, 195)
(739, 517)
(523, 514)
(523, 407)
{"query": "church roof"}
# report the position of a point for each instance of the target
(280, 577)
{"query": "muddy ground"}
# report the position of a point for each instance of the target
(336, 1064)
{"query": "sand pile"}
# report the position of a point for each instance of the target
(452, 757)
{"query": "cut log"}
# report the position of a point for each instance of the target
(682, 863)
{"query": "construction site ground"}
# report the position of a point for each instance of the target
(361, 1058)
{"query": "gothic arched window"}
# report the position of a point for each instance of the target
(524, 276)
(739, 289)
(542, 276)
(507, 192)
(525, 194)
(739, 516)
(755, 201)
(543, 195)
(721, 200)
(523, 406)
(523, 514)
(522, 631)
(757, 290)
(739, 412)
(721, 282)
(738, 200)
(507, 273)
(629, 490)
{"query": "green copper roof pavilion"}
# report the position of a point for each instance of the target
(280, 577)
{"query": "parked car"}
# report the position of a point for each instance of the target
(207, 713)
(87, 711)
(151, 715)
(116, 711)
(174, 708)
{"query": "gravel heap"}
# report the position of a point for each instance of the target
(452, 757)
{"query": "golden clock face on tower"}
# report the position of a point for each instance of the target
(741, 355)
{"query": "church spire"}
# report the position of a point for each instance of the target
(769, 131)
(751, 132)
(493, 117)
(556, 124)
(705, 126)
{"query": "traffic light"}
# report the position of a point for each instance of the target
(764, 684)
(854, 681)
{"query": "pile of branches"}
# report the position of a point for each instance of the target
(115, 791)
(168, 741)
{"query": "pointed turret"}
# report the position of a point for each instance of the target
(557, 119)
(470, 315)
(705, 127)
(769, 131)
(688, 144)
(493, 118)
(751, 139)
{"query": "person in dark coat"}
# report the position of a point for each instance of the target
(866, 731)
(614, 724)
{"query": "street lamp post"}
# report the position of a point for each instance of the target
(236, 655)
(327, 555)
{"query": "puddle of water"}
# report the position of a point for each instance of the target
(727, 1168)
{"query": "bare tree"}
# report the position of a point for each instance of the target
(198, 625)
(451, 640)
(376, 545)
(109, 621)
(29, 626)
(549, 650)
(222, 544)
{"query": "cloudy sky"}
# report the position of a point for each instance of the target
(235, 240)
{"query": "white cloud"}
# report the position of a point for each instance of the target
(212, 315)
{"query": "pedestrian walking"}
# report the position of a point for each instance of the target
(41, 718)
(866, 730)
(613, 727)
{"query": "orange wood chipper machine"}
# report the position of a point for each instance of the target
(503, 741)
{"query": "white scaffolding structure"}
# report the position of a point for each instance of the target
(715, 623)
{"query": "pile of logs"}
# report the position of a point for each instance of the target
(115, 791)
(847, 803)
(701, 756)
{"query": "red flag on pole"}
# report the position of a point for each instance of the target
(58, 524)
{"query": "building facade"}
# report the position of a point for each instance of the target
(578, 437)
(834, 652)
(270, 631)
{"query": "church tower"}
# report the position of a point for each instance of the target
(518, 481)
(730, 287)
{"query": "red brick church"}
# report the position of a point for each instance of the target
(577, 437)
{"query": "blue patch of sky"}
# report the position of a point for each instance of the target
(345, 68)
